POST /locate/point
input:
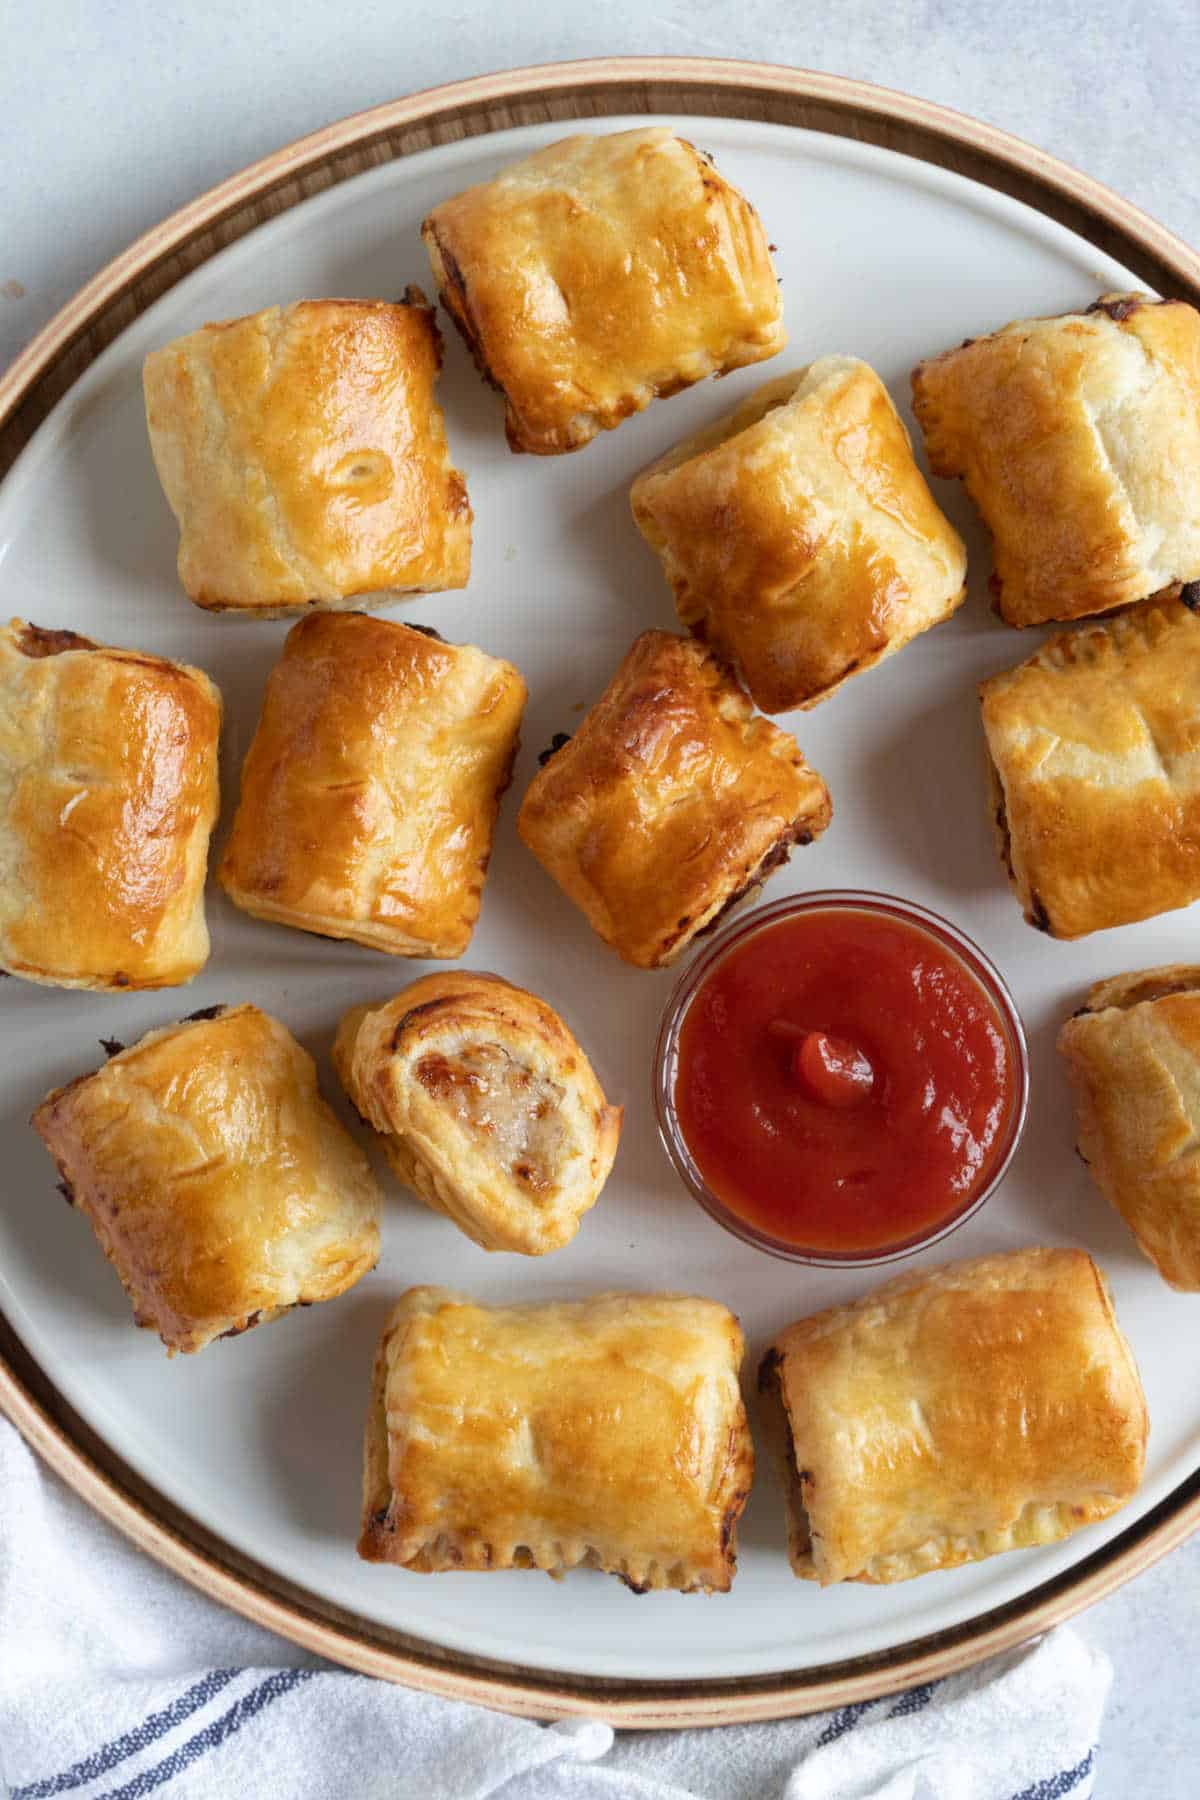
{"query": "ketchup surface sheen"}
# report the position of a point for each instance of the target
(843, 1082)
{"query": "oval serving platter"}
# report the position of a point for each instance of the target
(901, 229)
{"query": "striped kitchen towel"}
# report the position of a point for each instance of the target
(118, 1681)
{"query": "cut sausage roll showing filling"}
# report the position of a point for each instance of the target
(955, 1413)
(670, 803)
(599, 273)
(486, 1105)
(606, 1433)
(798, 535)
(1133, 1054)
(218, 1182)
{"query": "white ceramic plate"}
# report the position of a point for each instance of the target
(259, 1437)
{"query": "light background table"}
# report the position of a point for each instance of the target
(116, 113)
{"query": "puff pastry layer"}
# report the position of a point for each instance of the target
(798, 534)
(985, 1406)
(1078, 438)
(486, 1105)
(108, 796)
(600, 273)
(1133, 1054)
(370, 792)
(1094, 773)
(608, 1432)
(304, 456)
(671, 801)
(220, 1185)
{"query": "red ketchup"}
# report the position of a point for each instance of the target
(844, 1083)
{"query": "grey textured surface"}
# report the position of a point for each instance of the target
(114, 114)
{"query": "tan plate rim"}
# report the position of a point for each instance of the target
(30, 388)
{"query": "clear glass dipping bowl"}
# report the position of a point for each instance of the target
(948, 937)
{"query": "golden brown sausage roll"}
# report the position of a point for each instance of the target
(954, 1413)
(600, 273)
(1078, 438)
(370, 791)
(108, 796)
(607, 1432)
(1133, 1053)
(799, 536)
(486, 1105)
(220, 1186)
(671, 801)
(305, 458)
(1095, 782)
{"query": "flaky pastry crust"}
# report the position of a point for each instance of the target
(1078, 438)
(218, 1182)
(108, 797)
(671, 801)
(1095, 784)
(601, 273)
(954, 1413)
(799, 536)
(305, 458)
(370, 792)
(1133, 1055)
(607, 1432)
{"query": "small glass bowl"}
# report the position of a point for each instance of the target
(890, 906)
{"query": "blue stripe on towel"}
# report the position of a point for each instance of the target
(848, 1717)
(843, 1721)
(238, 1715)
(148, 1732)
(1055, 1786)
(915, 1701)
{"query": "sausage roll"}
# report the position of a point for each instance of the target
(1078, 438)
(956, 1412)
(1095, 782)
(108, 796)
(1133, 1054)
(799, 536)
(486, 1106)
(607, 1432)
(305, 458)
(220, 1186)
(600, 273)
(370, 792)
(671, 801)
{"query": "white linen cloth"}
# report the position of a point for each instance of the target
(117, 1680)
